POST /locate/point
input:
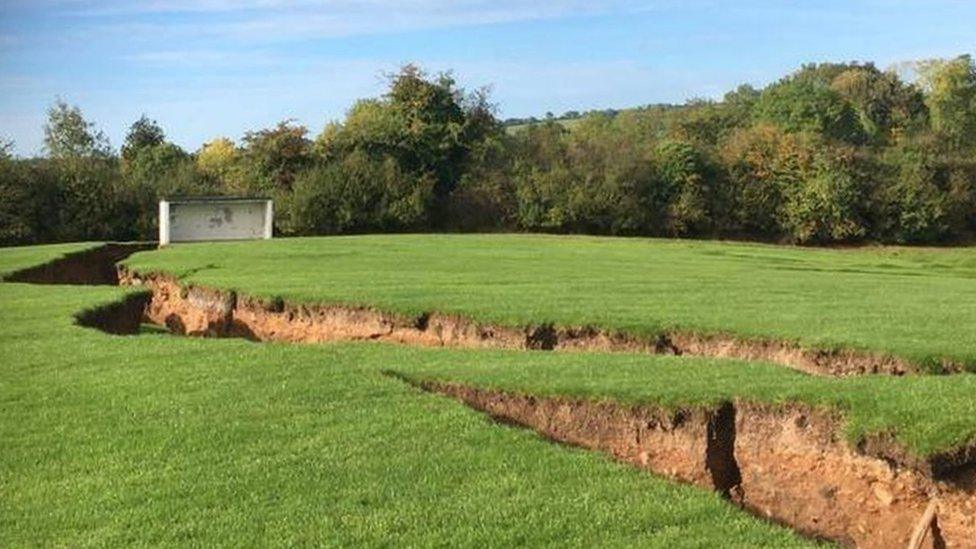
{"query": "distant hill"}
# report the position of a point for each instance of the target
(570, 118)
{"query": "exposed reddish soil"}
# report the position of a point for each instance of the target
(784, 463)
(194, 310)
(89, 267)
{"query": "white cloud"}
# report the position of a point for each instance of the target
(276, 20)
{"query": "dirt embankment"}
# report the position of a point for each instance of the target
(207, 312)
(786, 463)
(95, 266)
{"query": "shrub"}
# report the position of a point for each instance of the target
(808, 105)
(826, 207)
(18, 221)
(588, 180)
(356, 194)
(762, 164)
(914, 203)
(682, 177)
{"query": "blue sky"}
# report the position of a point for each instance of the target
(208, 68)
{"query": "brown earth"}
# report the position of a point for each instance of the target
(785, 463)
(200, 311)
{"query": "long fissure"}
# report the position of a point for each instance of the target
(193, 310)
(198, 311)
(95, 266)
(785, 463)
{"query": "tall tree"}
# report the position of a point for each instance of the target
(277, 154)
(799, 103)
(68, 135)
(143, 134)
(886, 107)
(950, 87)
(220, 160)
(426, 123)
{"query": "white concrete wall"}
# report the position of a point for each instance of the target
(163, 222)
(231, 220)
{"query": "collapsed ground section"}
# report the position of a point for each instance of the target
(201, 311)
(784, 463)
(96, 266)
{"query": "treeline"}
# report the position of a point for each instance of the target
(568, 115)
(831, 153)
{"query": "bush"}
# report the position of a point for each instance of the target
(87, 200)
(916, 208)
(356, 194)
(762, 164)
(807, 105)
(18, 218)
(682, 182)
(589, 180)
(484, 198)
(826, 207)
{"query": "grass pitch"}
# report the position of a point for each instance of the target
(163, 440)
(157, 439)
(918, 304)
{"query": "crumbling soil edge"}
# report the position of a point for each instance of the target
(201, 311)
(214, 312)
(785, 463)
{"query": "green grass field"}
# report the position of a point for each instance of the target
(568, 123)
(162, 440)
(919, 304)
(158, 439)
(22, 257)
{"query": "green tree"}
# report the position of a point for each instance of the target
(276, 155)
(803, 104)
(950, 87)
(87, 177)
(826, 206)
(357, 193)
(763, 163)
(16, 223)
(88, 205)
(887, 108)
(684, 187)
(484, 198)
(68, 135)
(590, 179)
(915, 202)
(143, 134)
(147, 158)
(425, 123)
